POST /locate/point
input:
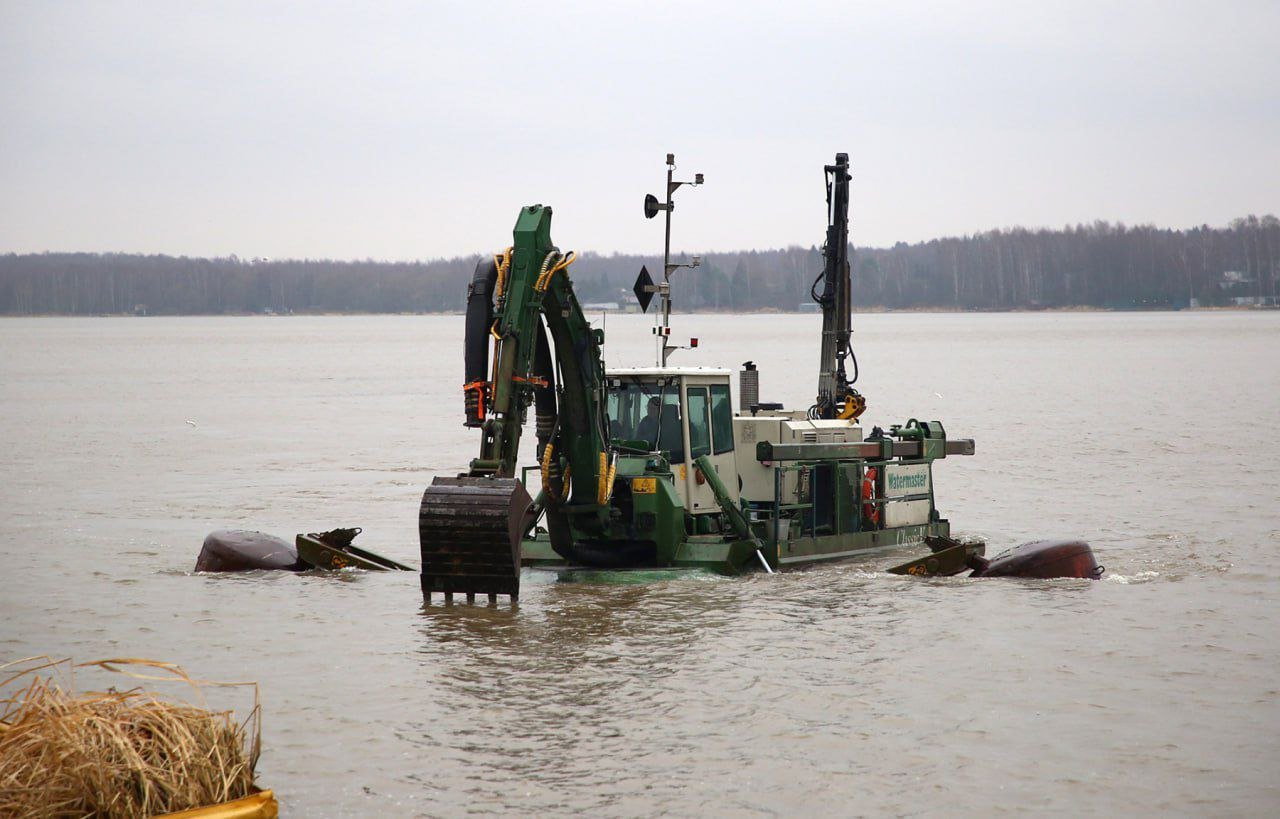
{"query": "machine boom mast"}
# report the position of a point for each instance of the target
(836, 396)
(470, 526)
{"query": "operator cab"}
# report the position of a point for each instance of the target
(683, 413)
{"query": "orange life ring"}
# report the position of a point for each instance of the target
(870, 511)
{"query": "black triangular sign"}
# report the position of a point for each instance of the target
(643, 294)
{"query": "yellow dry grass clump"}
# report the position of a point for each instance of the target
(116, 753)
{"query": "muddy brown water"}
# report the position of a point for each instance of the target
(836, 690)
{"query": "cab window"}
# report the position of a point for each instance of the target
(699, 422)
(647, 412)
(721, 418)
(670, 437)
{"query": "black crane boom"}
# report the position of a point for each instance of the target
(836, 396)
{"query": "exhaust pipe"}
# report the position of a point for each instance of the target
(749, 388)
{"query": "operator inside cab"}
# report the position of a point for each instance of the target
(659, 428)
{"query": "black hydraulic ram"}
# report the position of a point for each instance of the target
(476, 349)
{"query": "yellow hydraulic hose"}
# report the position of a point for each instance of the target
(608, 471)
(542, 271)
(546, 470)
(497, 340)
(550, 268)
(503, 262)
(546, 477)
(602, 488)
(613, 473)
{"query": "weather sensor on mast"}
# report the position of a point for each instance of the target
(645, 288)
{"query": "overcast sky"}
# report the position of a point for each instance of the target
(416, 130)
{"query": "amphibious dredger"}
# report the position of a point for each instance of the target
(653, 467)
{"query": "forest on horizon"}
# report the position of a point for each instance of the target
(1100, 265)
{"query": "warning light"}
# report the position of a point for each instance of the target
(693, 342)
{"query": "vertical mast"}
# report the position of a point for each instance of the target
(662, 319)
(836, 396)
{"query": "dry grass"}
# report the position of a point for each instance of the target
(116, 753)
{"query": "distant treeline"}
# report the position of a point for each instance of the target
(1097, 265)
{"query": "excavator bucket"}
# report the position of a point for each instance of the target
(470, 531)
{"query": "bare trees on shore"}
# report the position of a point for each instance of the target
(1097, 265)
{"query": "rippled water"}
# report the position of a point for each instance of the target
(834, 690)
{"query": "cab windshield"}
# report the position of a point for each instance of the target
(647, 413)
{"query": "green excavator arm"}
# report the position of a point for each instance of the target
(470, 526)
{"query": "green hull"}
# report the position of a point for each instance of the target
(823, 548)
(729, 556)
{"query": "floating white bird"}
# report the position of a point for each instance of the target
(192, 423)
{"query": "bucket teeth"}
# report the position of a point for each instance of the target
(470, 530)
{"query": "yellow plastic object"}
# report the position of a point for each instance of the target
(261, 805)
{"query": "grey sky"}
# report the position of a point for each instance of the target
(414, 130)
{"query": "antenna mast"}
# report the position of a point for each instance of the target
(645, 288)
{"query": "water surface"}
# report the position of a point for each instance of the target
(834, 690)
